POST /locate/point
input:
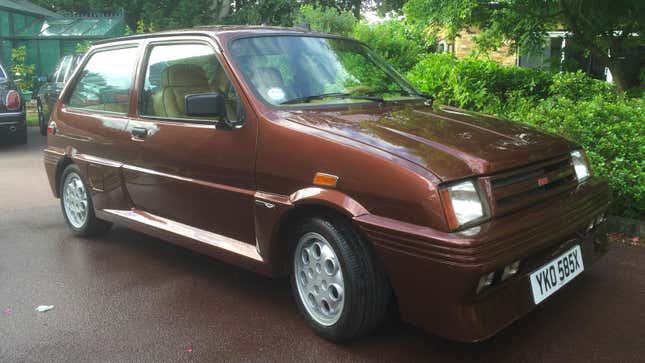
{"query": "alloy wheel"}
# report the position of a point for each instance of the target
(319, 278)
(75, 200)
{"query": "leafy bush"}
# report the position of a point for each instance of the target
(431, 75)
(590, 112)
(328, 20)
(581, 87)
(392, 40)
(482, 85)
(610, 131)
(25, 72)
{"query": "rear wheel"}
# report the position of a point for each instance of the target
(77, 206)
(21, 137)
(339, 288)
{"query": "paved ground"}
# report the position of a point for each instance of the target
(129, 297)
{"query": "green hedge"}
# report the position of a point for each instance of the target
(392, 40)
(610, 127)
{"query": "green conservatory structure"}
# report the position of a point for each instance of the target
(47, 35)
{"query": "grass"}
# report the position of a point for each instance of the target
(32, 113)
(32, 119)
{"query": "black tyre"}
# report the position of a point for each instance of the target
(42, 121)
(338, 285)
(76, 204)
(21, 137)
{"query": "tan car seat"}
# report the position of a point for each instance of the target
(178, 81)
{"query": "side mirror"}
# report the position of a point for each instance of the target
(50, 78)
(206, 105)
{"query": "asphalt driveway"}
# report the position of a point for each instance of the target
(129, 297)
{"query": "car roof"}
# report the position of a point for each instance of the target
(230, 31)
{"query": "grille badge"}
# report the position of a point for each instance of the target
(543, 181)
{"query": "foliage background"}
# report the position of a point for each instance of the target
(608, 124)
(25, 72)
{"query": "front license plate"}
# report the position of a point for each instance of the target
(555, 274)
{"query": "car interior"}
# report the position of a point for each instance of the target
(168, 84)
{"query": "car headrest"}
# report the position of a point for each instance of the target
(182, 75)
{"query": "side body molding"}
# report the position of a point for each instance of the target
(272, 211)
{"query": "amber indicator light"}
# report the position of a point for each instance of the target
(325, 180)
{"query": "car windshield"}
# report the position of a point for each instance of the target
(2, 75)
(290, 70)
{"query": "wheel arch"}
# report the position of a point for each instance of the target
(62, 164)
(314, 202)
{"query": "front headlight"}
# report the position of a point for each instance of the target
(580, 164)
(463, 204)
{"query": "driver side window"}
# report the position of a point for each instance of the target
(175, 71)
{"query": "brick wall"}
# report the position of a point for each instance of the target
(464, 45)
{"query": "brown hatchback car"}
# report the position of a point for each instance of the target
(289, 152)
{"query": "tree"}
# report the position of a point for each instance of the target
(610, 31)
(19, 67)
(266, 12)
(171, 14)
(164, 14)
(383, 7)
(354, 6)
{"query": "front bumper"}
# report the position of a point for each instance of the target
(12, 123)
(434, 274)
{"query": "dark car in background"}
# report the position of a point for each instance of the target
(13, 124)
(47, 94)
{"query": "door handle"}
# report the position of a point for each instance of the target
(139, 132)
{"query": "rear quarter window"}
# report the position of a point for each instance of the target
(105, 82)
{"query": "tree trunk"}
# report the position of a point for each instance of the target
(222, 8)
(356, 8)
(619, 75)
(612, 62)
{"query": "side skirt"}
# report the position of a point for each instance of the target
(220, 247)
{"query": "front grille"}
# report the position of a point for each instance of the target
(532, 184)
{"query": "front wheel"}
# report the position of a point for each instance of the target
(339, 288)
(77, 206)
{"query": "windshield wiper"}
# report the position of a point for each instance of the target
(307, 99)
(428, 98)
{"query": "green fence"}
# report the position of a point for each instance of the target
(47, 39)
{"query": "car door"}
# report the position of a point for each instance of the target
(92, 118)
(187, 170)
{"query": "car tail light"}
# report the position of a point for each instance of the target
(51, 129)
(12, 101)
